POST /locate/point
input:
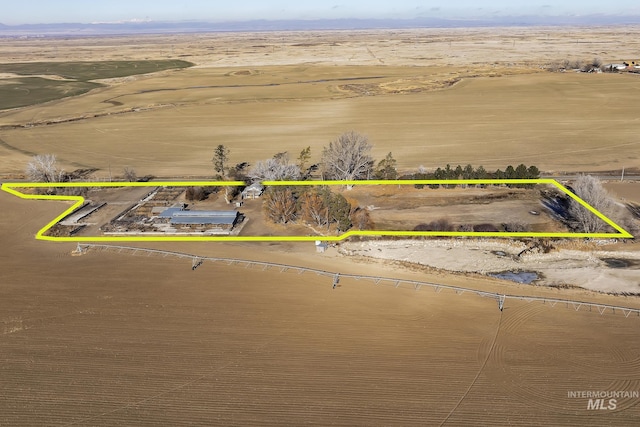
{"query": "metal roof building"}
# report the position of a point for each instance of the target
(227, 218)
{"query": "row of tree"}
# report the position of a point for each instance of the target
(469, 172)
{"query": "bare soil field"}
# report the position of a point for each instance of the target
(152, 341)
(484, 121)
(405, 207)
(626, 191)
(112, 339)
(477, 96)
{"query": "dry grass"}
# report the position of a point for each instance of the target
(404, 208)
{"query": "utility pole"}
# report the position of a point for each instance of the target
(622, 176)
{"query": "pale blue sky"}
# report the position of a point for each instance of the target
(15, 12)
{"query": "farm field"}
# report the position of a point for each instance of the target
(430, 96)
(109, 338)
(29, 83)
(152, 341)
(21, 92)
(89, 70)
(483, 121)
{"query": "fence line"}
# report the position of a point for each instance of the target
(500, 298)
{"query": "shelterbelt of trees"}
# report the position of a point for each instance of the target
(469, 172)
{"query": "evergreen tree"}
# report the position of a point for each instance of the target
(303, 159)
(521, 171)
(340, 212)
(220, 158)
(509, 172)
(387, 168)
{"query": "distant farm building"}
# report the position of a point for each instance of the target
(624, 66)
(253, 191)
(619, 67)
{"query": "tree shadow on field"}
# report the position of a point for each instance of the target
(557, 206)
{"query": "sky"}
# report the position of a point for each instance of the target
(17, 12)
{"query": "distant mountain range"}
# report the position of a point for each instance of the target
(154, 27)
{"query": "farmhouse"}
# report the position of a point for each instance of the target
(253, 191)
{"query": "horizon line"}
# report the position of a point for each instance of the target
(132, 26)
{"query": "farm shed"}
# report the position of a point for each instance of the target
(321, 246)
(224, 220)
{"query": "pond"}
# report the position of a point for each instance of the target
(525, 277)
(619, 262)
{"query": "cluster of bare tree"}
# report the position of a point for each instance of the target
(44, 168)
(348, 158)
(590, 190)
(580, 219)
(129, 174)
(316, 206)
(576, 64)
(277, 168)
(280, 205)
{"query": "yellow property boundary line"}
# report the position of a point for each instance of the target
(79, 200)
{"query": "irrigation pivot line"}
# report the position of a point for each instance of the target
(336, 277)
